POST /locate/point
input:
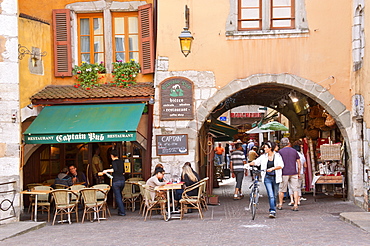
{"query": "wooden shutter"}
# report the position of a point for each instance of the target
(62, 43)
(147, 38)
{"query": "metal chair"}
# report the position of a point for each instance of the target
(64, 204)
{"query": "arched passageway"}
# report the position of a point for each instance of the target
(268, 90)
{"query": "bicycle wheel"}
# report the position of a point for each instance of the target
(253, 204)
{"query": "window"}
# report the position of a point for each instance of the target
(266, 14)
(90, 38)
(282, 14)
(250, 15)
(259, 19)
(125, 37)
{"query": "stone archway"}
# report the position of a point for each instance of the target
(305, 86)
(316, 92)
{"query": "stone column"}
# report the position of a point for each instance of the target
(9, 104)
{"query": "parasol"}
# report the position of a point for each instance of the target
(257, 130)
(275, 126)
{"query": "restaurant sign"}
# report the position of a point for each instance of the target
(176, 99)
(80, 137)
(176, 144)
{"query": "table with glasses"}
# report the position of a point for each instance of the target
(170, 189)
(35, 193)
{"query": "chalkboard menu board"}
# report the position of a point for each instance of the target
(176, 99)
(176, 144)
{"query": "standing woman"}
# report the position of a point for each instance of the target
(272, 162)
(118, 182)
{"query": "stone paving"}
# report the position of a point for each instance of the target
(317, 223)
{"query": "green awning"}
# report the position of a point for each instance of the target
(85, 123)
(222, 131)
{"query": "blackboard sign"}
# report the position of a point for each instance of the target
(176, 95)
(176, 144)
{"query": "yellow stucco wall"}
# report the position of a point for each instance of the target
(325, 52)
(45, 13)
(33, 34)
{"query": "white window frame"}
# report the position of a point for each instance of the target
(300, 30)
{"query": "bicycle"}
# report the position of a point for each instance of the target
(255, 192)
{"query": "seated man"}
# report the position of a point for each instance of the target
(155, 181)
(63, 178)
(77, 177)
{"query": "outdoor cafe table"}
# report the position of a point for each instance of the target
(35, 193)
(170, 187)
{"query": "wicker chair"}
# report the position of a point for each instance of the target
(203, 196)
(43, 203)
(142, 200)
(91, 203)
(61, 186)
(194, 201)
(129, 197)
(101, 196)
(76, 200)
(32, 197)
(153, 204)
(64, 204)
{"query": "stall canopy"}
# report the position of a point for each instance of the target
(85, 123)
(222, 131)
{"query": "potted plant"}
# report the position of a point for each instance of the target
(213, 200)
(124, 73)
(87, 74)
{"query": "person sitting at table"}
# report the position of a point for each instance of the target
(159, 165)
(63, 178)
(189, 177)
(77, 177)
(155, 181)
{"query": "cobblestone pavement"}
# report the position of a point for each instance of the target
(317, 223)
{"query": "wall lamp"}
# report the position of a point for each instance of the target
(185, 37)
(35, 54)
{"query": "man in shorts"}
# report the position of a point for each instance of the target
(237, 162)
(291, 172)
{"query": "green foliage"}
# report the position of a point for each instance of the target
(124, 73)
(87, 74)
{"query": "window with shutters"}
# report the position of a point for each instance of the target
(261, 18)
(124, 35)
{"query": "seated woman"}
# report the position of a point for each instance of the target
(155, 181)
(63, 178)
(189, 177)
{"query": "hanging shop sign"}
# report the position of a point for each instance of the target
(176, 144)
(245, 115)
(176, 99)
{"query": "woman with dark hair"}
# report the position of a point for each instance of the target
(272, 162)
(155, 180)
(118, 182)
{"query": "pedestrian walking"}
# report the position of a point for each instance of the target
(237, 162)
(273, 163)
(219, 150)
(291, 172)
